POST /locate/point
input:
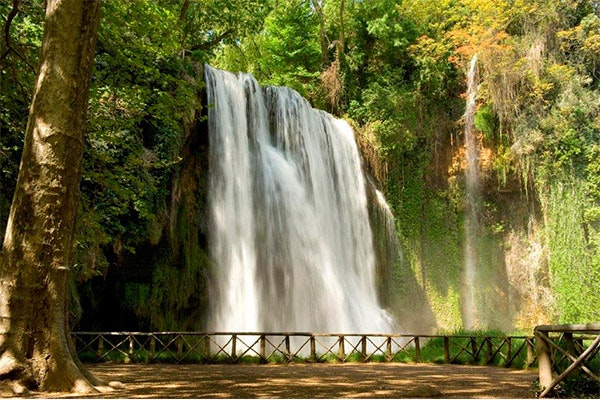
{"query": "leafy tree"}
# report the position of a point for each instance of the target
(286, 51)
(35, 349)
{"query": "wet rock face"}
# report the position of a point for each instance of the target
(398, 289)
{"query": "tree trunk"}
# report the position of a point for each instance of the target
(35, 348)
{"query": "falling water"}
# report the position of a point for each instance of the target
(389, 242)
(473, 196)
(291, 240)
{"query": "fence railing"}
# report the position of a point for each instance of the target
(566, 350)
(238, 347)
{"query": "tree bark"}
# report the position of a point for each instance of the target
(35, 348)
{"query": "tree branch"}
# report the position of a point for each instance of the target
(11, 15)
(184, 10)
(211, 43)
(9, 48)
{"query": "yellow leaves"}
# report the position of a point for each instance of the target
(560, 72)
(592, 45)
(425, 46)
(478, 40)
(488, 13)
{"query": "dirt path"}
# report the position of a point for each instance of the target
(313, 381)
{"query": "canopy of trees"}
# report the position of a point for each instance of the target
(397, 70)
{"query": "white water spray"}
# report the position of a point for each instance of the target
(473, 196)
(290, 236)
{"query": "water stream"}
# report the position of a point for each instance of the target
(473, 200)
(290, 236)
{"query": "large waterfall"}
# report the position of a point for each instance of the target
(290, 236)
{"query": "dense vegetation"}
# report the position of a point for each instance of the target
(397, 70)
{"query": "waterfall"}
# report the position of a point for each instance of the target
(473, 197)
(290, 238)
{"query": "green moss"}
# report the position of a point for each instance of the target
(574, 262)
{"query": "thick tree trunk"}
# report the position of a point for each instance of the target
(36, 256)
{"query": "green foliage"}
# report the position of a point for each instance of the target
(290, 40)
(579, 387)
(574, 261)
(285, 51)
(485, 122)
(399, 69)
(19, 48)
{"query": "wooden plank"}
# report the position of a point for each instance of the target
(579, 328)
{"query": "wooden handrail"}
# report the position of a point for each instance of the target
(320, 334)
(575, 328)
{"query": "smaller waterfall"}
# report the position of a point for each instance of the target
(387, 224)
(473, 199)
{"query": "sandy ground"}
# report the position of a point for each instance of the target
(312, 381)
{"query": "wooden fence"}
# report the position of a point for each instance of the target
(306, 347)
(566, 350)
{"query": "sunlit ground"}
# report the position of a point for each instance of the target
(314, 381)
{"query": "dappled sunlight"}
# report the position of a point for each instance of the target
(353, 380)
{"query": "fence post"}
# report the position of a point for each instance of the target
(288, 351)
(233, 346)
(100, 351)
(207, 347)
(417, 349)
(489, 347)
(474, 348)
(363, 348)
(131, 342)
(263, 349)
(446, 349)
(508, 352)
(152, 351)
(572, 349)
(530, 352)
(313, 348)
(544, 359)
(388, 349)
(342, 350)
(179, 347)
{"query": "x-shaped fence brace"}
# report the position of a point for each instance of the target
(576, 354)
